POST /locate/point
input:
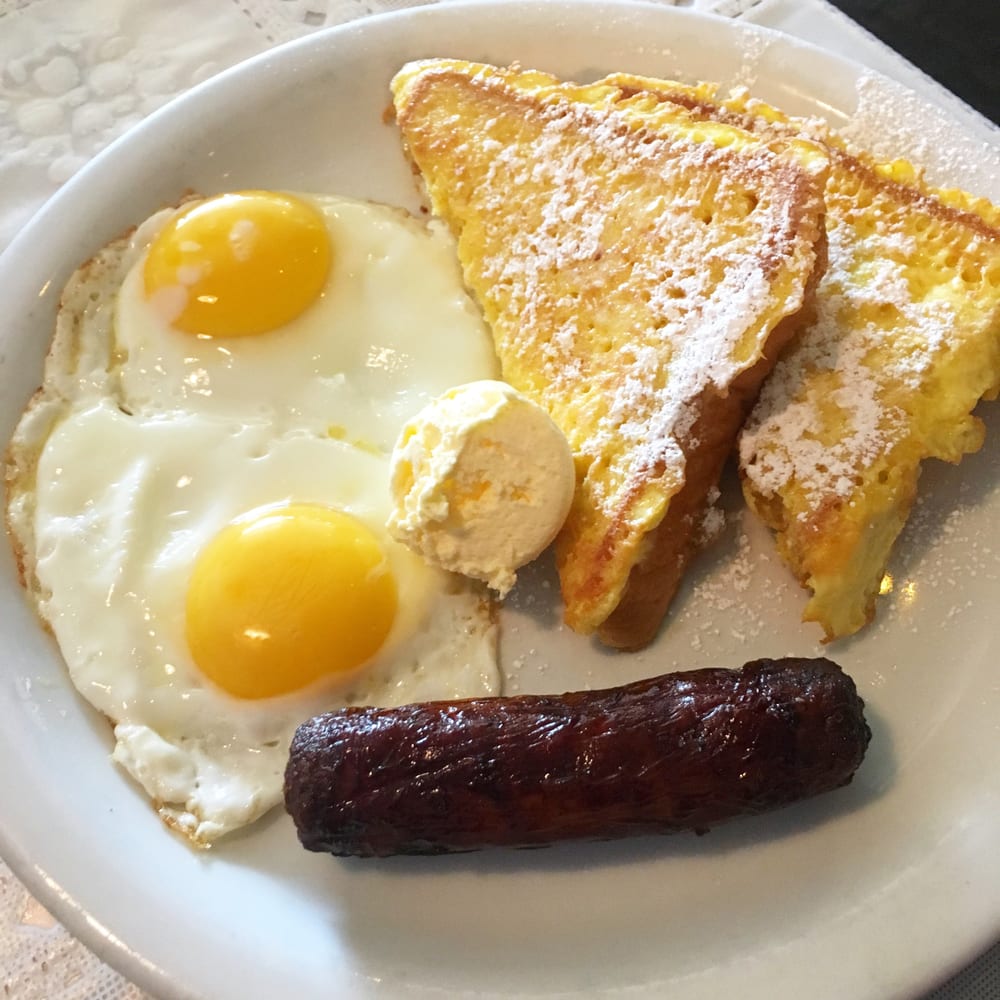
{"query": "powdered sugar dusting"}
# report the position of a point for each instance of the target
(755, 45)
(886, 312)
(891, 121)
(723, 607)
(573, 274)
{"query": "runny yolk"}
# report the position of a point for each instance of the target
(285, 597)
(238, 264)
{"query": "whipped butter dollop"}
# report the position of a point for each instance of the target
(481, 482)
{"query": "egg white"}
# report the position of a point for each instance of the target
(118, 536)
(120, 472)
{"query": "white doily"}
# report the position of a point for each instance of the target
(74, 74)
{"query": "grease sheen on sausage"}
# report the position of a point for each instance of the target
(683, 751)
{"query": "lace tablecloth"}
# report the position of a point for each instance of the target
(75, 74)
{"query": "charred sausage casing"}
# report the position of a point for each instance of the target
(683, 751)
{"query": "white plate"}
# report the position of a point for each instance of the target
(872, 891)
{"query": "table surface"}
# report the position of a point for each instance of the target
(957, 43)
(41, 47)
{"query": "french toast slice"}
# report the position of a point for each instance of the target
(640, 271)
(905, 343)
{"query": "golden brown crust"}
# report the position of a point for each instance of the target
(74, 364)
(16, 471)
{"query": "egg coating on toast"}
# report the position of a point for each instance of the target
(905, 343)
(640, 271)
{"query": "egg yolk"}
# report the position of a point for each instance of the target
(288, 596)
(239, 264)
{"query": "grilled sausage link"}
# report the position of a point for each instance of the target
(677, 752)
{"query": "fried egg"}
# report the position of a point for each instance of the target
(360, 351)
(199, 493)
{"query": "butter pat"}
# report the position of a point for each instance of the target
(481, 482)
